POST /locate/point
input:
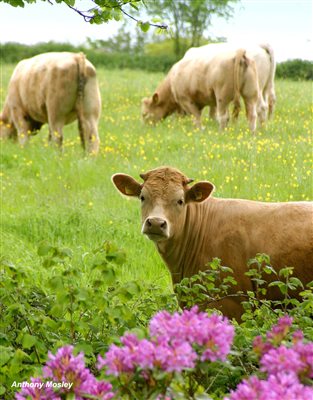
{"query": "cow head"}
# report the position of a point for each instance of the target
(165, 196)
(153, 109)
(7, 129)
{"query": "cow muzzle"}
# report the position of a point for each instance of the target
(156, 228)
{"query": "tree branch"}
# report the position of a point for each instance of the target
(89, 17)
(161, 26)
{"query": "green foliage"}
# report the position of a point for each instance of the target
(101, 11)
(15, 52)
(86, 306)
(189, 19)
(95, 275)
(119, 52)
(295, 69)
(206, 287)
(260, 313)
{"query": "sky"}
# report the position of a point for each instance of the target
(286, 24)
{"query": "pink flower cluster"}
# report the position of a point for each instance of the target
(177, 342)
(71, 376)
(284, 366)
(37, 391)
(277, 387)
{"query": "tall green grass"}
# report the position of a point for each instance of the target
(67, 198)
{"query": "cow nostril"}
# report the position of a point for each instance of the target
(163, 225)
(149, 222)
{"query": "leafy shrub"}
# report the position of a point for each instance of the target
(295, 69)
(15, 52)
(66, 308)
(170, 363)
(151, 61)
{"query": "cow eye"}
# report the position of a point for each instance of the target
(180, 202)
(142, 198)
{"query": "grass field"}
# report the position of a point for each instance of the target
(68, 199)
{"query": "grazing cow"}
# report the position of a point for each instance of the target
(263, 55)
(53, 88)
(214, 80)
(189, 228)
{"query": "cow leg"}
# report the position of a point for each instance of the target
(222, 114)
(88, 130)
(56, 133)
(212, 112)
(271, 102)
(23, 127)
(262, 109)
(191, 108)
(251, 113)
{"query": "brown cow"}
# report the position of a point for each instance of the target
(189, 228)
(53, 88)
(216, 80)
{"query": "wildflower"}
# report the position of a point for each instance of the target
(260, 347)
(280, 330)
(67, 368)
(176, 357)
(305, 353)
(282, 359)
(283, 386)
(214, 334)
(117, 360)
(37, 390)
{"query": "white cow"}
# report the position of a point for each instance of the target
(53, 88)
(263, 55)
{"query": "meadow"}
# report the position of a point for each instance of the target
(66, 199)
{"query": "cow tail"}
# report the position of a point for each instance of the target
(238, 58)
(81, 82)
(270, 86)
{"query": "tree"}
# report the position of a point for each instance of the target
(100, 11)
(189, 18)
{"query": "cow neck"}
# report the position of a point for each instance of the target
(183, 253)
(5, 115)
(166, 95)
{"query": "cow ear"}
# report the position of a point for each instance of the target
(155, 98)
(127, 185)
(199, 192)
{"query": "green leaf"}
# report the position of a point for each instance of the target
(84, 347)
(6, 354)
(28, 341)
(70, 2)
(16, 3)
(144, 26)
(44, 249)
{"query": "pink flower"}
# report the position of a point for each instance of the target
(280, 330)
(174, 357)
(39, 391)
(281, 359)
(214, 334)
(305, 353)
(283, 386)
(66, 368)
